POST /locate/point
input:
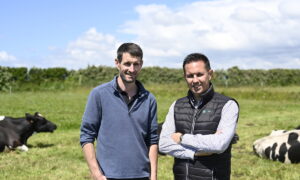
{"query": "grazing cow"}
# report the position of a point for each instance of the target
(14, 132)
(280, 145)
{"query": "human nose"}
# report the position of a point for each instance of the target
(131, 68)
(195, 79)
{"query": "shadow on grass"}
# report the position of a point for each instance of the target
(40, 145)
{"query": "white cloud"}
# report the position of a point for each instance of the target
(228, 30)
(249, 34)
(250, 14)
(290, 8)
(91, 48)
(10, 60)
(5, 57)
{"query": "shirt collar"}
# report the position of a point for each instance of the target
(140, 87)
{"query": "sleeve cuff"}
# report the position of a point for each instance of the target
(84, 143)
(191, 154)
(184, 139)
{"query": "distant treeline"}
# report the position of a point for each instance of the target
(22, 78)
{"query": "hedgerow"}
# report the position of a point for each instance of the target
(22, 78)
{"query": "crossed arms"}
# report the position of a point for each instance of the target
(199, 144)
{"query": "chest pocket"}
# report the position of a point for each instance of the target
(207, 121)
(206, 115)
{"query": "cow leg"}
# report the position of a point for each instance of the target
(2, 147)
(293, 152)
(3, 138)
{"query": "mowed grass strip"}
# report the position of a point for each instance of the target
(58, 155)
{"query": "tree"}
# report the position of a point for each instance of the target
(5, 77)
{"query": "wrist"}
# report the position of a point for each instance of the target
(180, 138)
(153, 177)
(97, 173)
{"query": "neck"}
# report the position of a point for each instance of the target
(197, 97)
(129, 88)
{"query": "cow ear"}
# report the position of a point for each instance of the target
(29, 118)
(37, 114)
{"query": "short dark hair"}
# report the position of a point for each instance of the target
(194, 57)
(131, 48)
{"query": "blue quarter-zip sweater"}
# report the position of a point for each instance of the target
(123, 134)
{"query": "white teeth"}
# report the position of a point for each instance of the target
(196, 85)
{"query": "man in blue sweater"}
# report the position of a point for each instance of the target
(122, 116)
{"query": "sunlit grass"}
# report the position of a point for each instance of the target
(58, 155)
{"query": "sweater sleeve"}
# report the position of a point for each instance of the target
(153, 137)
(91, 119)
(166, 143)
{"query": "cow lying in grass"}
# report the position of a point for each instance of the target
(14, 132)
(280, 145)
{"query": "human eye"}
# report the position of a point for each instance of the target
(199, 74)
(127, 64)
(189, 76)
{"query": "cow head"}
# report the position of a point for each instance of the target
(40, 124)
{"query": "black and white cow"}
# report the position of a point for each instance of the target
(8, 138)
(14, 132)
(280, 145)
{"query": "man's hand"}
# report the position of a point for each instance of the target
(218, 132)
(90, 157)
(176, 137)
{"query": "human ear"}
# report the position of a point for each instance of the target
(117, 63)
(210, 73)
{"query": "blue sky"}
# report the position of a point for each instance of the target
(250, 34)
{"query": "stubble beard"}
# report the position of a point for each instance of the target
(123, 77)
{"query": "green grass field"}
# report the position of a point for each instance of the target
(58, 155)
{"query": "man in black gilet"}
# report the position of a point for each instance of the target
(199, 128)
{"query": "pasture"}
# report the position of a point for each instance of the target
(58, 155)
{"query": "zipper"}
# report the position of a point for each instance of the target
(194, 120)
(135, 101)
(192, 130)
(187, 170)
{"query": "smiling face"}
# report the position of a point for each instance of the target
(197, 77)
(129, 67)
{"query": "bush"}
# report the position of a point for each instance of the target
(39, 75)
(5, 78)
(19, 74)
(61, 78)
